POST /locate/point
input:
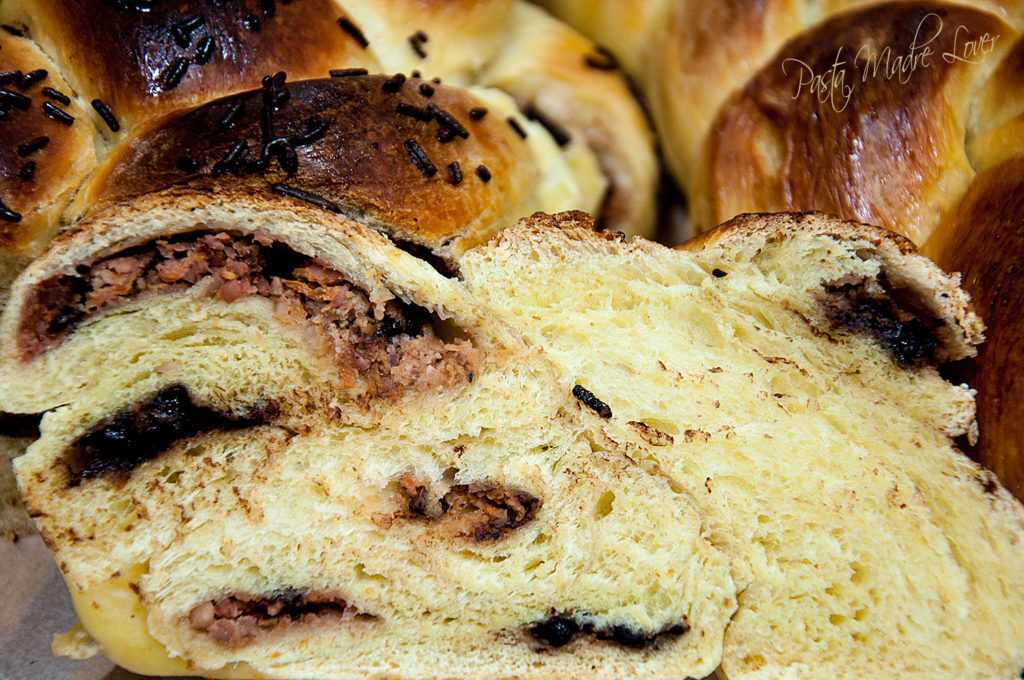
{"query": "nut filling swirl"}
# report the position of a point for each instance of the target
(236, 620)
(392, 346)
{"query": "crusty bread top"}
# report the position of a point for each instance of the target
(124, 53)
(42, 160)
(353, 146)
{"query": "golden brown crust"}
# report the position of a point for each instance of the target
(42, 160)
(448, 38)
(360, 161)
(983, 239)
(996, 126)
(854, 152)
(127, 57)
(560, 78)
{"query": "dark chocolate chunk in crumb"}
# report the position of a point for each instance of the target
(555, 631)
(590, 401)
(718, 273)
(558, 630)
(124, 441)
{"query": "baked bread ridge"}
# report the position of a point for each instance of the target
(861, 541)
(42, 160)
(351, 142)
(367, 258)
(173, 56)
(336, 512)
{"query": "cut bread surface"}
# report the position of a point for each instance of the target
(656, 463)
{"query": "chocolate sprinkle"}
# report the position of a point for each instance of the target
(516, 126)
(10, 77)
(56, 95)
(182, 31)
(393, 83)
(558, 133)
(283, 150)
(353, 31)
(15, 99)
(31, 78)
(57, 114)
(106, 114)
(602, 59)
(420, 158)
(205, 50)
(348, 72)
(229, 162)
(483, 173)
(315, 130)
(426, 90)
(417, 112)
(447, 120)
(234, 112)
(27, 170)
(252, 23)
(173, 74)
(587, 397)
(417, 40)
(12, 30)
(477, 112)
(30, 147)
(454, 174)
(8, 215)
(293, 192)
(268, 7)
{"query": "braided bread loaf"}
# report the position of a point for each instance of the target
(77, 98)
(497, 114)
(278, 446)
(900, 114)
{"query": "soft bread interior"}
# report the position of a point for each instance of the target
(666, 462)
(859, 537)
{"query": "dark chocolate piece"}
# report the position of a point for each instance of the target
(124, 441)
(590, 401)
